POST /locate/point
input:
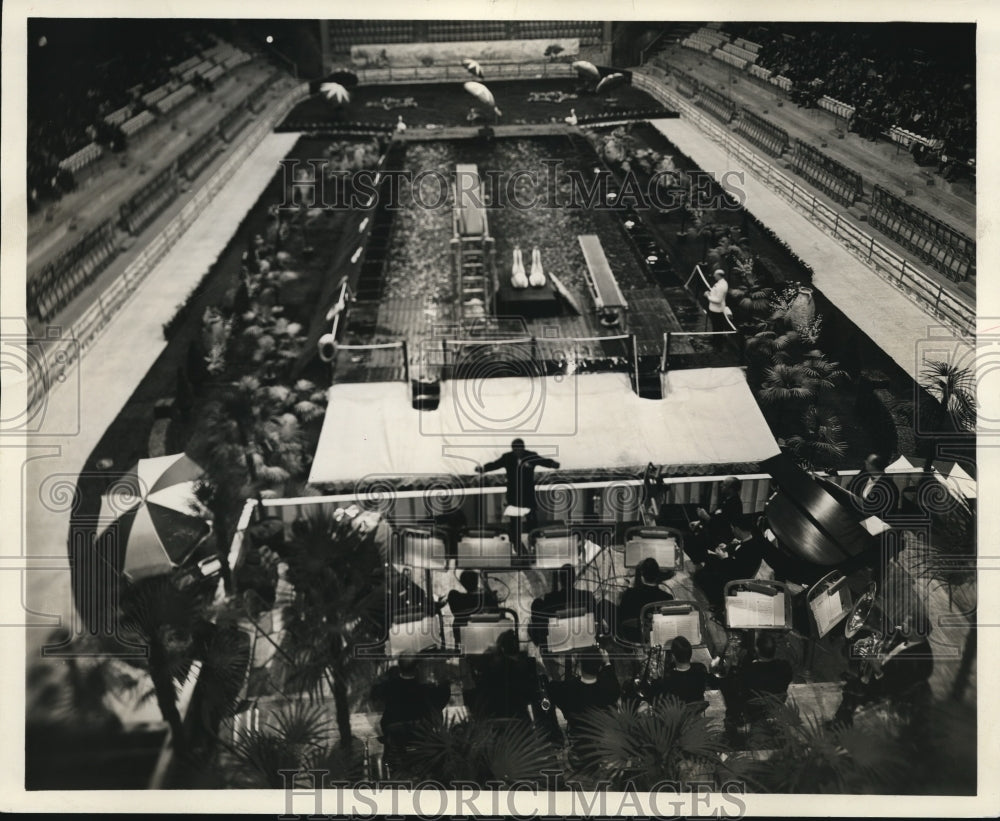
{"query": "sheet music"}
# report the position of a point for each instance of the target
(828, 609)
(479, 637)
(748, 610)
(663, 550)
(493, 551)
(412, 637)
(668, 627)
(571, 634)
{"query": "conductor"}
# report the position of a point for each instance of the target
(519, 464)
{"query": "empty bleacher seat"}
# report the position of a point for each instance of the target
(79, 159)
(119, 116)
(137, 123)
(175, 98)
(144, 206)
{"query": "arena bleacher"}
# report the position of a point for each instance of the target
(121, 111)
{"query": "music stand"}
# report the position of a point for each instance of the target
(665, 544)
(421, 548)
(829, 602)
(555, 547)
(481, 632)
(410, 638)
(571, 630)
(663, 621)
(484, 548)
(758, 605)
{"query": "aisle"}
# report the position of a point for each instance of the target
(99, 387)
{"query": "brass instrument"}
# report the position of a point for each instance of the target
(869, 641)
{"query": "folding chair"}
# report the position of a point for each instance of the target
(665, 544)
(754, 604)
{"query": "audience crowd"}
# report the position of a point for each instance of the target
(887, 82)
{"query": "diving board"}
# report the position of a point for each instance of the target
(608, 297)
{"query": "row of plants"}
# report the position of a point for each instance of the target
(631, 748)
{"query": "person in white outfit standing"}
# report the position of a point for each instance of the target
(717, 301)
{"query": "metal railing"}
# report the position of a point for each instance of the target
(450, 73)
(952, 309)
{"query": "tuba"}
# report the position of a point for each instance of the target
(864, 626)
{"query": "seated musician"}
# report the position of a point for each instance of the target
(875, 493)
(473, 600)
(899, 673)
(713, 527)
(646, 590)
(595, 688)
(506, 682)
(757, 685)
(563, 597)
(686, 680)
(407, 701)
(738, 558)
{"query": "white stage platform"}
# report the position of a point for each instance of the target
(589, 421)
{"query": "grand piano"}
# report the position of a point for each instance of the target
(817, 522)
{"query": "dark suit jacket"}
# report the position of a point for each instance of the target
(408, 700)
(575, 698)
(882, 500)
(633, 600)
(520, 475)
(762, 678)
(505, 687)
(688, 686)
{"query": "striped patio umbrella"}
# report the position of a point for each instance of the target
(335, 93)
(611, 81)
(473, 68)
(155, 515)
